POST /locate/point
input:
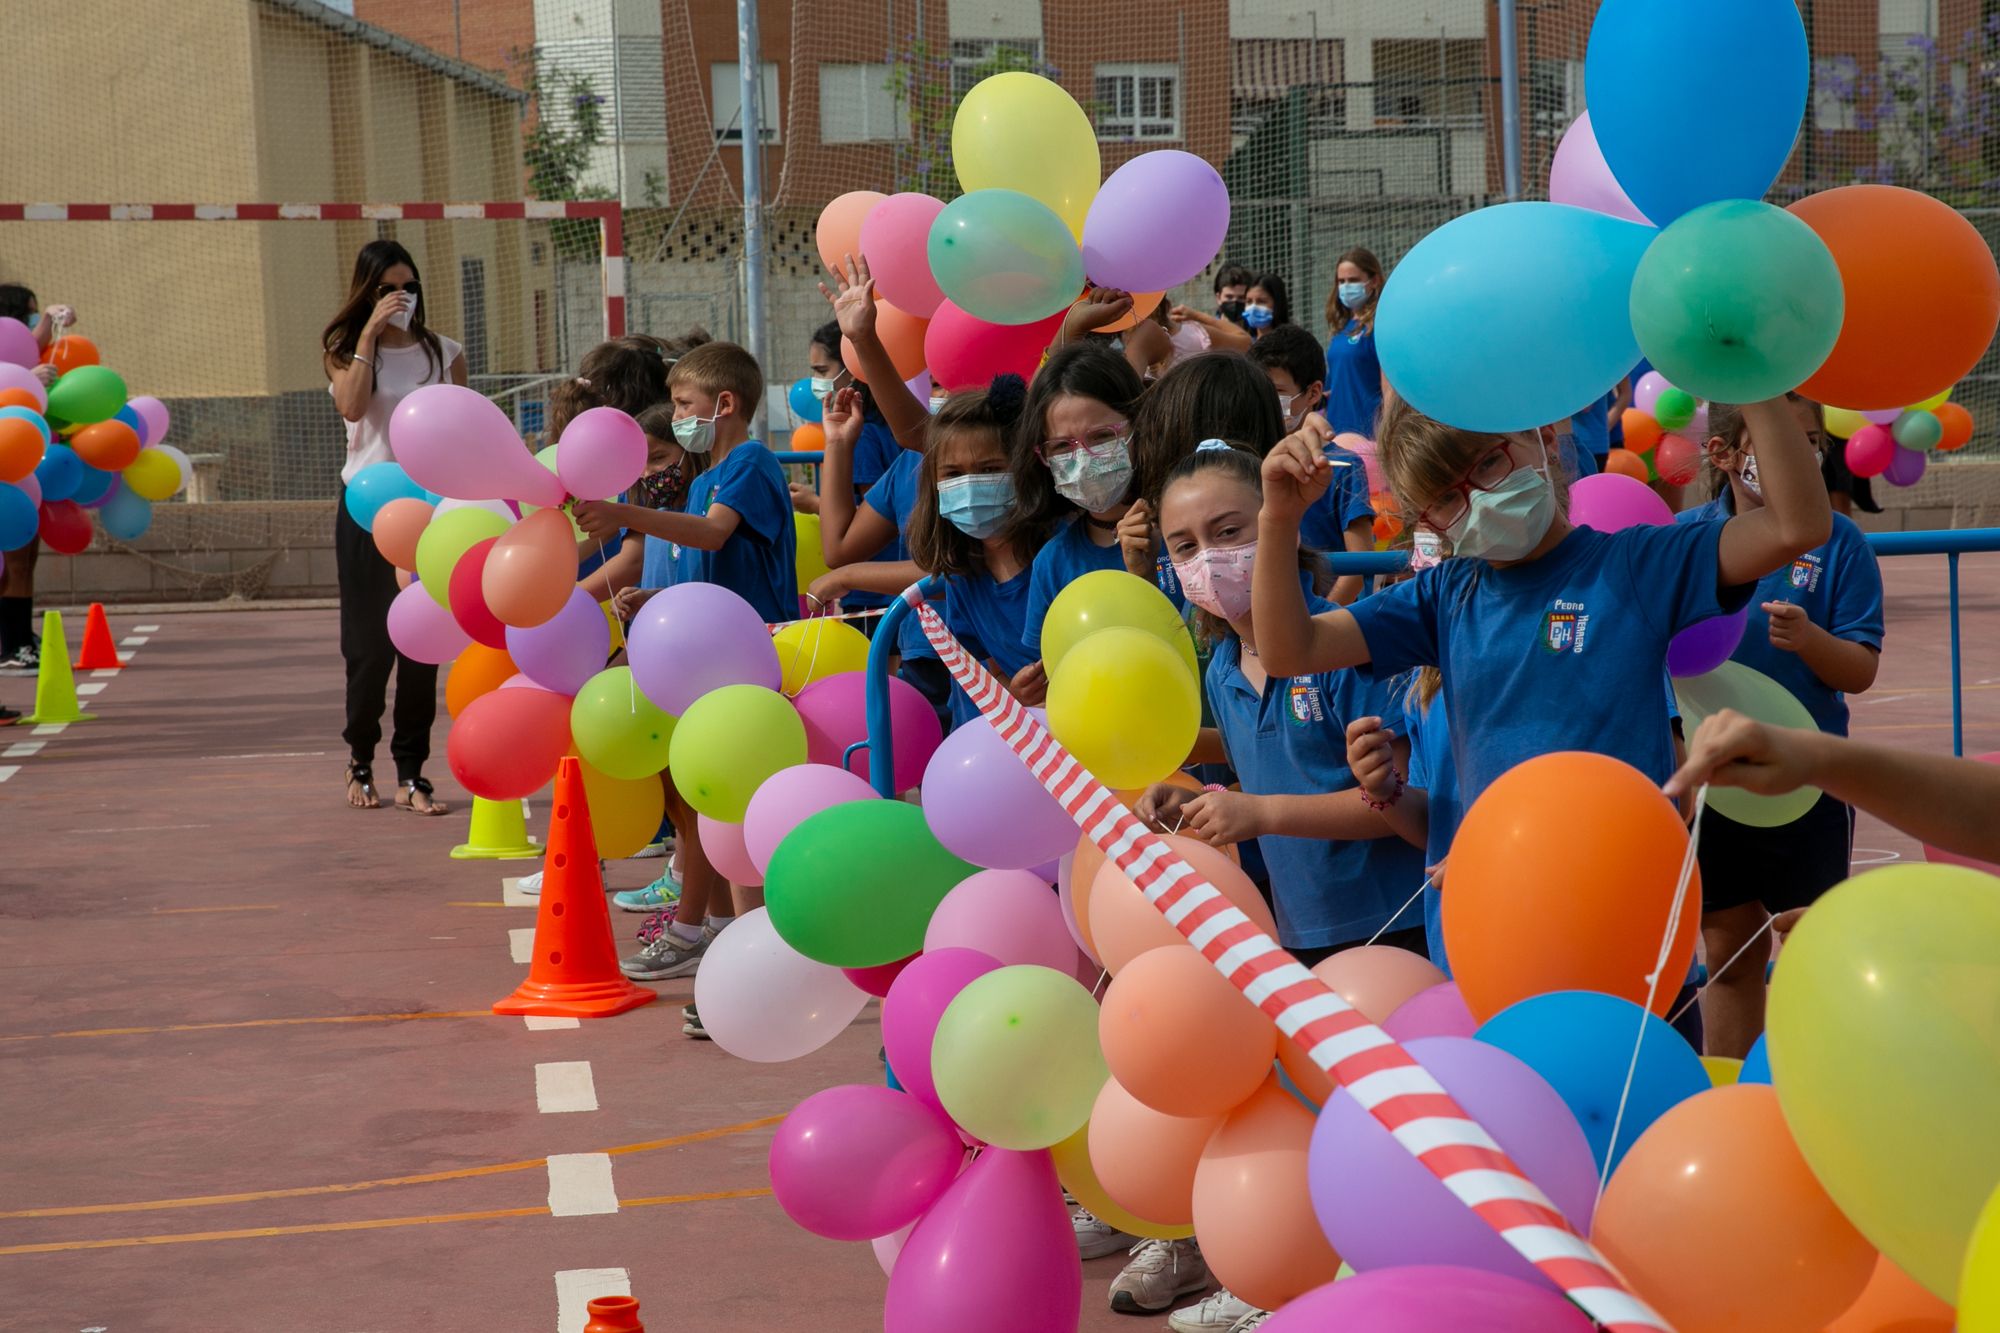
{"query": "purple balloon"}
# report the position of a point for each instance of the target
(1648, 390)
(916, 1001)
(862, 1160)
(1883, 416)
(1608, 501)
(987, 808)
(17, 343)
(422, 630)
(791, 796)
(696, 637)
(1579, 176)
(1438, 1012)
(1706, 644)
(1128, 242)
(1906, 467)
(996, 1254)
(154, 413)
(1429, 1298)
(565, 650)
(1382, 1208)
(602, 452)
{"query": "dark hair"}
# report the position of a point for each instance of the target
(1088, 370)
(628, 373)
(1290, 348)
(936, 544)
(1214, 395)
(1337, 314)
(343, 332)
(1239, 464)
(1281, 299)
(17, 301)
(658, 423)
(1726, 423)
(720, 367)
(1229, 275)
(828, 335)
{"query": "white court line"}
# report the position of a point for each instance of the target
(270, 754)
(8, 771)
(104, 671)
(511, 895)
(564, 1085)
(576, 1288)
(91, 689)
(22, 750)
(145, 629)
(544, 1023)
(1875, 857)
(142, 828)
(580, 1184)
(521, 943)
(50, 729)
(133, 641)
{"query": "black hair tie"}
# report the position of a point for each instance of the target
(1006, 395)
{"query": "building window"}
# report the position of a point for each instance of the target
(1555, 95)
(856, 106)
(1836, 84)
(726, 101)
(1139, 102)
(973, 59)
(1425, 84)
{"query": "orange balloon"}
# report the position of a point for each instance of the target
(1252, 1209)
(108, 445)
(1143, 305)
(1386, 527)
(808, 437)
(1626, 462)
(1641, 431)
(1180, 1038)
(1181, 778)
(1893, 1302)
(902, 336)
(1079, 1177)
(1376, 979)
(21, 398)
(1541, 901)
(478, 670)
(21, 448)
(838, 232)
(1922, 295)
(1957, 423)
(398, 525)
(531, 570)
(1083, 867)
(1146, 1160)
(69, 351)
(1124, 925)
(1716, 1220)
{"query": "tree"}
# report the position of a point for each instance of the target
(926, 86)
(566, 122)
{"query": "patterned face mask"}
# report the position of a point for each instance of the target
(662, 489)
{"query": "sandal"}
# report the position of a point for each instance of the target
(361, 787)
(406, 799)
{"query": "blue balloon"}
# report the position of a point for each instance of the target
(32, 417)
(1757, 1064)
(93, 486)
(1582, 1042)
(60, 472)
(136, 422)
(1726, 128)
(376, 485)
(19, 520)
(805, 403)
(1512, 317)
(126, 515)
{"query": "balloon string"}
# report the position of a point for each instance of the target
(1406, 903)
(1716, 975)
(1653, 984)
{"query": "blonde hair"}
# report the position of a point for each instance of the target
(1423, 457)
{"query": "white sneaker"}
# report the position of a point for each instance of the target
(1161, 1272)
(1096, 1238)
(1255, 1319)
(531, 885)
(1220, 1313)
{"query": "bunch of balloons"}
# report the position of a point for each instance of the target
(77, 445)
(978, 286)
(1664, 431)
(1895, 443)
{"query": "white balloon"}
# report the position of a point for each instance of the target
(181, 461)
(762, 1000)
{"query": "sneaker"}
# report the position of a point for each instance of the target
(9, 716)
(667, 957)
(691, 1024)
(662, 894)
(26, 661)
(1161, 1272)
(1255, 1319)
(1220, 1313)
(529, 885)
(653, 851)
(1095, 1238)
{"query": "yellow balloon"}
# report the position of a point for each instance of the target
(810, 562)
(1105, 599)
(1932, 403)
(153, 475)
(1126, 706)
(1843, 422)
(617, 626)
(625, 813)
(1978, 1285)
(1754, 694)
(810, 650)
(1018, 131)
(1072, 1157)
(1884, 1033)
(1722, 1071)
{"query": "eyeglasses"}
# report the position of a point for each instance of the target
(1447, 509)
(383, 289)
(1096, 440)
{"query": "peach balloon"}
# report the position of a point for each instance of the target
(1124, 925)
(1179, 1038)
(1893, 1302)
(476, 671)
(1376, 979)
(1143, 305)
(1146, 1160)
(1252, 1209)
(902, 335)
(1083, 868)
(398, 525)
(530, 573)
(1079, 1177)
(838, 232)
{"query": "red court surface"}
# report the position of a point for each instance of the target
(249, 1076)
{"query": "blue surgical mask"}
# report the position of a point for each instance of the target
(1507, 522)
(977, 504)
(34, 318)
(696, 434)
(1353, 295)
(1093, 479)
(1259, 316)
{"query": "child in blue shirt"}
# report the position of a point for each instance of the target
(1815, 627)
(1343, 519)
(1353, 371)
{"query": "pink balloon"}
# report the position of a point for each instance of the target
(895, 239)
(995, 1254)
(422, 630)
(724, 844)
(859, 1161)
(890, 1247)
(1579, 176)
(1429, 1298)
(1608, 501)
(877, 980)
(1009, 914)
(1870, 451)
(31, 486)
(791, 796)
(456, 442)
(20, 377)
(154, 413)
(1437, 1012)
(1647, 391)
(915, 1003)
(602, 452)
(1371, 459)
(965, 353)
(985, 806)
(566, 650)
(835, 711)
(17, 343)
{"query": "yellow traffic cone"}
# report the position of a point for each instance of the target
(55, 687)
(499, 833)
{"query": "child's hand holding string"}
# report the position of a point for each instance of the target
(1219, 818)
(1731, 750)
(1030, 684)
(1162, 806)
(1297, 472)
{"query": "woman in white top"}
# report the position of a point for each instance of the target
(377, 350)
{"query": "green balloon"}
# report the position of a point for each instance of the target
(445, 542)
(619, 731)
(1753, 694)
(1016, 1060)
(729, 741)
(546, 456)
(855, 885)
(1737, 301)
(1674, 408)
(86, 395)
(1004, 257)
(1918, 429)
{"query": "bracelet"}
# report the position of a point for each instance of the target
(1215, 786)
(1394, 796)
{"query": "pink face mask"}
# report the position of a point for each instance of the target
(1218, 579)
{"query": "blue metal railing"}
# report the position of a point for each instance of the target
(881, 752)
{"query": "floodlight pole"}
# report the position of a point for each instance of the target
(1510, 101)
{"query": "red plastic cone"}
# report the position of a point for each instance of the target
(614, 1314)
(98, 653)
(574, 972)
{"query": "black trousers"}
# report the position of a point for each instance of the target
(367, 586)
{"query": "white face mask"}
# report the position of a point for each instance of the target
(1093, 479)
(696, 434)
(822, 388)
(1509, 521)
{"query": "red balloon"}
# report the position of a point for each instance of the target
(507, 744)
(468, 600)
(65, 526)
(964, 352)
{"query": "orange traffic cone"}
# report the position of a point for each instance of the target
(574, 973)
(614, 1314)
(98, 653)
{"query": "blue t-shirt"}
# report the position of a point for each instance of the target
(1324, 525)
(758, 562)
(657, 563)
(1291, 740)
(987, 617)
(875, 452)
(893, 497)
(1840, 587)
(1069, 555)
(1431, 773)
(1527, 651)
(1592, 429)
(1353, 381)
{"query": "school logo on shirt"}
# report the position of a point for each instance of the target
(1307, 706)
(1563, 628)
(1806, 571)
(1163, 574)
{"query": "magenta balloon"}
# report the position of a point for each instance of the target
(964, 352)
(1906, 467)
(20, 377)
(1429, 1298)
(791, 796)
(916, 1001)
(995, 1254)
(422, 630)
(1156, 222)
(565, 650)
(602, 452)
(1870, 450)
(1648, 390)
(154, 413)
(456, 442)
(877, 980)
(17, 343)
(1579, 176)
(860, 1161)
(1438, 1012)
(835, 711)
(1609, 501)
(1382, 1208)
(1706, 644)
(895, 239)
(987, 808)
(1010, 914)
(696, 637)
(723, 842)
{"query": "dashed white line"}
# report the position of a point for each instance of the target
(576, 1288)
(521, 943)
(105, 671)
(97, 688)
(542, 1023)
(145, 629)
(8, 771)
(511, 895)
(133, 641)
(50, 729)
(564, 1085)
(22, 750)
(580, 1185)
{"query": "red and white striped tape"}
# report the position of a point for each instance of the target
(1360, 1057)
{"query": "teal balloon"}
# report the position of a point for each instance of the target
(855, 886)
(804, 402)
(1918, 429)
(1507, 318)
(1004, 257)
(374, 486)
(1737, 302)
(126, 515)
(1753, 694)
(87, 395)
(35, 419)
